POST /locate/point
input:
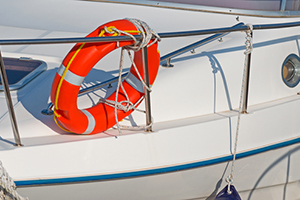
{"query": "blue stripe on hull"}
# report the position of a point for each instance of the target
(155, 171)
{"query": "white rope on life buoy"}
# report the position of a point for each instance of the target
(147, 33)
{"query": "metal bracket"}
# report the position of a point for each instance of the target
(48, 110)
(168, 64)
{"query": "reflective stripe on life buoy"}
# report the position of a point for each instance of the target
(75, 67)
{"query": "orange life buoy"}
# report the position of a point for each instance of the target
(75, 67)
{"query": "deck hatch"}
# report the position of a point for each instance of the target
(20, 71)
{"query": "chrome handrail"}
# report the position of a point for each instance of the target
(138, 37)
(195, 45)
(119, 38)
(124, 38)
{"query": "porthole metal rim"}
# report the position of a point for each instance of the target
(294, 81)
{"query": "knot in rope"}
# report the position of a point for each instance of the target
(129, 106)
(229, 180)
(110, 30)
(115, 31)
(119, 105)
(146, 32)
(248, 43)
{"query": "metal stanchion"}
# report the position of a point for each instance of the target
(9, 102)
(147, 92)
(246, 89)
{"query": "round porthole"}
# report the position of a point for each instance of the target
(291, 70)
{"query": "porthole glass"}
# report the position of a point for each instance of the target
(291, 70)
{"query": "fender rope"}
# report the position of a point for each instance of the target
(249, 47)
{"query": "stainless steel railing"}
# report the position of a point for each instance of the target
(167, 57)
(138, 37)
(194, 45)
(9, 103)
(219, 32)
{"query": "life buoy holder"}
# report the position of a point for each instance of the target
(78, 63)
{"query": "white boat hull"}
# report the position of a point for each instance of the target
(268, 175)
(194, 105)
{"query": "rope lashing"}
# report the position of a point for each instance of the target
(8, 185)
(249, 48)
(249, 42)
(147, 34)
(115, 31)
